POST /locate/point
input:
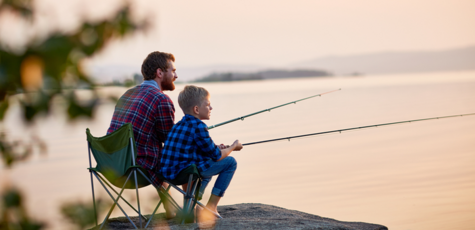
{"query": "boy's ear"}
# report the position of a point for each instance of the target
(196, 110)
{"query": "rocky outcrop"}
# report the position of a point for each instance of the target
(254, 216)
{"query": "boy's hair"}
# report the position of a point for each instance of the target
(190, 97)
(155, 60)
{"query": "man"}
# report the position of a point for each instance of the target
(150, 111)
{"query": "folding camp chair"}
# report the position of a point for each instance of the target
(115, 158)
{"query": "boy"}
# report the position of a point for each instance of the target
(189, 143)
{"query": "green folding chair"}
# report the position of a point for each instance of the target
(115, 158)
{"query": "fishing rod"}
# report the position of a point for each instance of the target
(361, 127)
(268, 110)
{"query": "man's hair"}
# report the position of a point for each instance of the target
(155, 60)
(190, 97)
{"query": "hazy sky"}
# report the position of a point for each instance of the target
(272, 32)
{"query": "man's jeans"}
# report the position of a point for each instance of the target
(225, 171)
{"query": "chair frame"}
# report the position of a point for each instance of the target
(188, 195)
(104, 182)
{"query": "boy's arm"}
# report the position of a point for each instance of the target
(236, 146)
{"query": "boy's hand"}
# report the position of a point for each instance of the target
(237, 145)
(222, 146)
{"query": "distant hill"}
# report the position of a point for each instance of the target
(395, 62)
(273, 73)
(267, 74)
(193, 73)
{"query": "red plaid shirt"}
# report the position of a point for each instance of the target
(152, 115)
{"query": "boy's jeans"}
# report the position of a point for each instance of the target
(225, 171)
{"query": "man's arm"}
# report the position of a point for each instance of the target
(165, 119)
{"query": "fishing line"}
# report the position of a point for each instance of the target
(268, 110)
(355, 128)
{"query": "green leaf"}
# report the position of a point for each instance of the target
(3, 108)
(12, 198)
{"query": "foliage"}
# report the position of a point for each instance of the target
(48, 66)
(44, 69)
(82, 214)
(14, 151)
(13, 214)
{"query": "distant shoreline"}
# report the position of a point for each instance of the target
(261, 75)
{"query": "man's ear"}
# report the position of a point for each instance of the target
(159, 73)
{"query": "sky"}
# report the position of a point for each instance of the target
(272, 32)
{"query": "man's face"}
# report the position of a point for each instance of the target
(169, 77)
(204, 110)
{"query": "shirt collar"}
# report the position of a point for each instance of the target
(191, 117)
(188, 116)
(152, 83)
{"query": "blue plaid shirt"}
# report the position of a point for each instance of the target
(188, 143)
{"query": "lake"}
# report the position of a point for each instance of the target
(410, 176)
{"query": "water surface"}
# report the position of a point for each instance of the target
(409, 176)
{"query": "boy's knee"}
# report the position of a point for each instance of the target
(232, 162)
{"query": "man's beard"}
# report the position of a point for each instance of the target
(167, 84)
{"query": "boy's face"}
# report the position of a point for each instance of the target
(204, 110)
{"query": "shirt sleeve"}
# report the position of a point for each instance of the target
(165, 118)
(206, 144)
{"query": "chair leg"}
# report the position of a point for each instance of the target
(131, 206)
(167, 196)
(197, 202)
(187, 198)
(153, 213)
(93, 197)
(192, 195)
(92, 181)
(138, 199)
(115, 202)
(119, 195)
(196, 192)
(156, 208)
(171, 199)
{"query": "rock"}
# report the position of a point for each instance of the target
(253, 216)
